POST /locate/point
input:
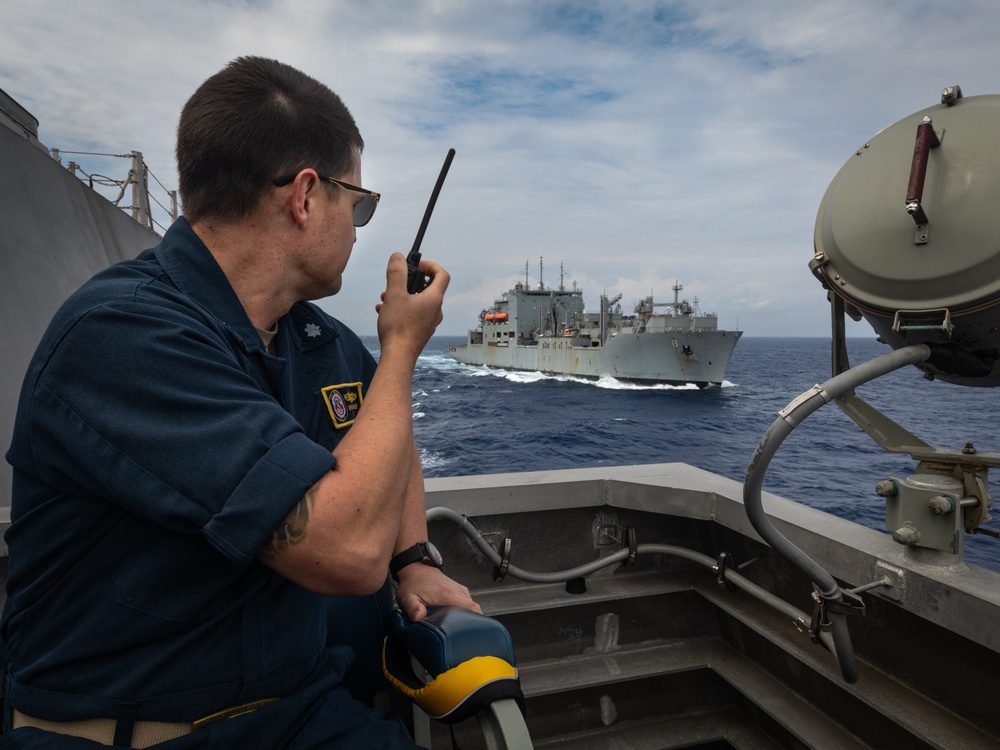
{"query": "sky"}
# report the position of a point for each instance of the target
(627, 145)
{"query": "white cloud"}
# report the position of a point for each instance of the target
(636, 142)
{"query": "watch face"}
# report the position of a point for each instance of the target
(432, 556)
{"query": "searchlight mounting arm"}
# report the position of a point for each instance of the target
(914, 513)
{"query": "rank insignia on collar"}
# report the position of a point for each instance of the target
(312, 330)
(342, 402)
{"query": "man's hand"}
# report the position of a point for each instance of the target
(421, 586)
(406, 319)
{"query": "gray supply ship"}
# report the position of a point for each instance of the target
(548, 330)
(656, 606)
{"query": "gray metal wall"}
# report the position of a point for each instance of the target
(55, 233)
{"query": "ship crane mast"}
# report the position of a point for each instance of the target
(680, 308)
(606, 305)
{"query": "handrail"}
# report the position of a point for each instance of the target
(137, 177)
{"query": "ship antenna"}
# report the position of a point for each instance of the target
(541, 271)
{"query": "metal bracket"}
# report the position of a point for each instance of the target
(789, 410)
(851, 604)
(725, 561)
(946, 327)
(500, 571)
(629, 543)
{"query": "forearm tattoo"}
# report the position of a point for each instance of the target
(292, 530)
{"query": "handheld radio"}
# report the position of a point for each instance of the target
(415, 279)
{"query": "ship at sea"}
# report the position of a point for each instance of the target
(548, 330)
(662, 606)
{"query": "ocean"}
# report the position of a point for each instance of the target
(472, 420)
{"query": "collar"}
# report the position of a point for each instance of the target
(308, 327)
(193, 269)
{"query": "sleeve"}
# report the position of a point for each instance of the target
(160, 411)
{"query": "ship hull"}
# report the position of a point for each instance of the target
(669, 357)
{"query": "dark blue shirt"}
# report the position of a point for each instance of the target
(156, 447)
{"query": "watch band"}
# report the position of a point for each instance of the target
(424, 552)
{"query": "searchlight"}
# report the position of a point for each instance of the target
(907, 238)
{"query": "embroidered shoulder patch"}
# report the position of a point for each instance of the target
(342, 402)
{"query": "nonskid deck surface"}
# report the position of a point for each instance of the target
(660, 655)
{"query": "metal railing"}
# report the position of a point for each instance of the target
(138, 179)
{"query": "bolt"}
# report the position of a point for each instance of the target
(941, 504)
(906, 535)
(886, 488)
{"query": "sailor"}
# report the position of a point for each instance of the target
(203, 458)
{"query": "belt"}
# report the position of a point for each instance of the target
(144, 733)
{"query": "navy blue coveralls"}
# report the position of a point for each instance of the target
(156, 447)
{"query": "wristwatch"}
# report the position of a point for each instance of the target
(423, 552)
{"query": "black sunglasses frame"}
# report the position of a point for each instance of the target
(363, 209)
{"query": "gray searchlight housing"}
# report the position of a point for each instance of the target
(908, 236)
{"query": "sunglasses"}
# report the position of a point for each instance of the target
(363, 209)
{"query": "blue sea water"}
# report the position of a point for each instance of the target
(472, 420)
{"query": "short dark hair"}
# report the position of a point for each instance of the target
(252, 122)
